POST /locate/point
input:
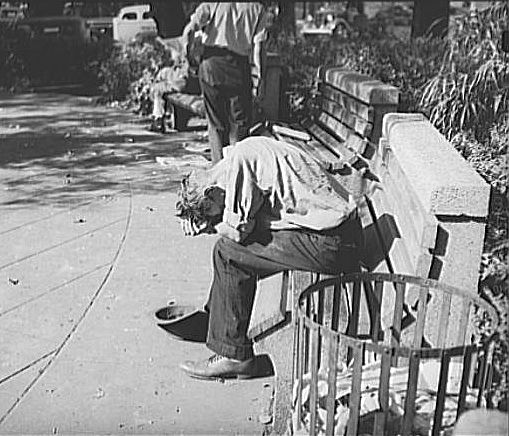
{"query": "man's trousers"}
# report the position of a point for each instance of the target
(225, 81)
(237, 267)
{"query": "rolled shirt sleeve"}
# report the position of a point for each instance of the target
(199, 18)
(244, 197)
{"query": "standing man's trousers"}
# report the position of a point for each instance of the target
(237, 268)
(225, 80)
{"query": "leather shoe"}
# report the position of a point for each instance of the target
(220, 367)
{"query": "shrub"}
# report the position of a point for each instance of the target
(13, 75)
(405, 64)
(468, 92)
(127, 72)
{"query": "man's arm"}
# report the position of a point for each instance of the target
(259, 54)
(198, 20)
(244, 198)
(259, 61)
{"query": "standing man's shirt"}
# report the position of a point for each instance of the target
(234, 26)
(279, 186)
(174, 77)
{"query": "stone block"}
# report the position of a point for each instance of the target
(444, 182)
(458, 255)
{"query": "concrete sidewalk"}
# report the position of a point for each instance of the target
(90, 248)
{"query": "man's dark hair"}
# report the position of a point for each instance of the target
(192, 201)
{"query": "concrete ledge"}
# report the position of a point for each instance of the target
(444, 181)
(362, 87)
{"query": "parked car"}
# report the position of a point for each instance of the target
(10, 14)
(53, 49)
(100, 28)
(326, 22)
(134, 22)
(68, 30)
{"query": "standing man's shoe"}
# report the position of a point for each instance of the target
(220, 367)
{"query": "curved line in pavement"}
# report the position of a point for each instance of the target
(28, 366)
(51, 215)
(54, 288)
(75, 326)
(51, 247)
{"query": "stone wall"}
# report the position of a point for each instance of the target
(455, 193)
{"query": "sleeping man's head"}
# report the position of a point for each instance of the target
(201, 207)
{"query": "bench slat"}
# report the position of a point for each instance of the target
(351, 104)
(354, 122)
(314, 148)
(343, 133)
(337, 147)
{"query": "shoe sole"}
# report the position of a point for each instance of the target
(223, 377)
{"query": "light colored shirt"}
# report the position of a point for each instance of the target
(235, 26)
(175, 77)
(280, 186)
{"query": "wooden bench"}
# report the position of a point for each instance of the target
(180, 107)
(353, 130)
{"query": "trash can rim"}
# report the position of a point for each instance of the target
(403, 279)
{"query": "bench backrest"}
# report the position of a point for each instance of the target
(342, 131)
(345, 126)
(346, 119)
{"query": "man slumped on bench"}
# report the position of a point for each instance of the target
(276, 209)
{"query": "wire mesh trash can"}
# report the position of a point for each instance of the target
(391, 379)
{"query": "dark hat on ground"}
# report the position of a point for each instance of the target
(185, 323)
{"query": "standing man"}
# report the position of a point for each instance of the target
(233, 37)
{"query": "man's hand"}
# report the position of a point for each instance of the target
(191, 228)
(225, 230)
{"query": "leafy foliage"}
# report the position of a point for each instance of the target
(13, 75)
(468, 93)
(407, 65)
(26, 63)
(127, 73)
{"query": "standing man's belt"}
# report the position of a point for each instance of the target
(215, 50)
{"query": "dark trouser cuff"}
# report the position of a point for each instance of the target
(232, 352)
